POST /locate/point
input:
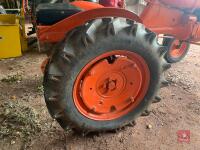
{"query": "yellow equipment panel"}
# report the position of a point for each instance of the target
(10, 45)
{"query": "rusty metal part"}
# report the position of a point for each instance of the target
(44, 63)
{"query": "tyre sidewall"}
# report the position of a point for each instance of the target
(122, 42)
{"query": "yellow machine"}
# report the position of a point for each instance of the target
(13, 40)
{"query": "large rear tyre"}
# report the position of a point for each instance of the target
(104, 75)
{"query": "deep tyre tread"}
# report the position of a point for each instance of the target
(146, 113)
(157, 99)
(84, 44)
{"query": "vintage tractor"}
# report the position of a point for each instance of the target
(104, 65)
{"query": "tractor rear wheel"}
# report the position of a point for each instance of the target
(104, 75)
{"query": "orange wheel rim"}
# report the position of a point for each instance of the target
(111, 85)
(178, 49)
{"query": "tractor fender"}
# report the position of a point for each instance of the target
(57, 32)
(85, 5)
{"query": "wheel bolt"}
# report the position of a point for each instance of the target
(132, 99)
(101, 102)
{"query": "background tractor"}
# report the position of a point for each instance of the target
(105, 64)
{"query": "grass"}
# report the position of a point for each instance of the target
(17, 120)
(12, 78)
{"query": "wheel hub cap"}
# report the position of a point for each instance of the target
(110, 85)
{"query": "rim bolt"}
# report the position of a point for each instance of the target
(93, 109)
(101, 102)
(113, 108)
(132, 99)
(135, 65)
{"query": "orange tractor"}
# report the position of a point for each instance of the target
(104, 65)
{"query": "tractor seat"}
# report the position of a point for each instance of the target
(49, 14)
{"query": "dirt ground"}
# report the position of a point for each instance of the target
(26, 124)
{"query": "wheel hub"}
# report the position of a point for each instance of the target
(110, 85)
(105, 91)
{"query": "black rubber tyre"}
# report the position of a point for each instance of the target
(86, 43)
(170, 59)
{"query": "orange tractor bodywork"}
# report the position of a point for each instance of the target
(173, 18)
(105, 65)
(169, 18)
(57, 32)
(161, 16)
